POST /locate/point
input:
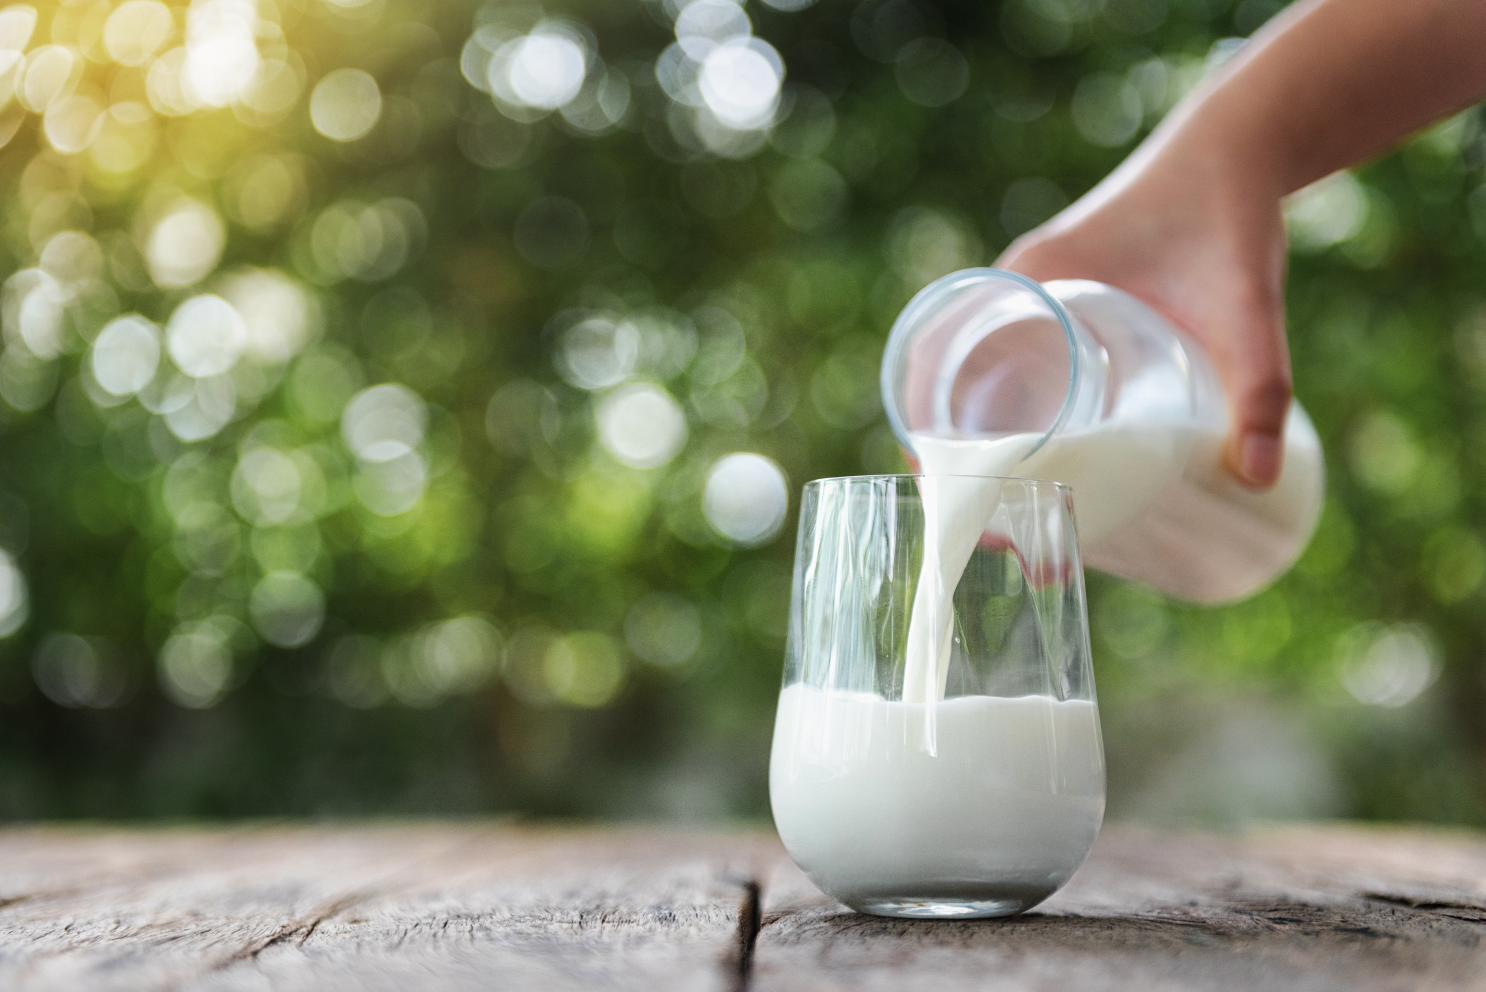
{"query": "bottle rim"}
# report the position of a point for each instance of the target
(929, 297)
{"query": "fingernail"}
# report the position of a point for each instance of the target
(1260, 461)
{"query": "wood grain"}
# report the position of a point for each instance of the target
(504, 906)
(1315, 908)
(439, 907)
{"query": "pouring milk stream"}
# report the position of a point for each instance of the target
(987, 373)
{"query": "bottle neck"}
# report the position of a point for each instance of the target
(1000, 351)
(990, 353)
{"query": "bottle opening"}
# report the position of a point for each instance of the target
(980, 353)
(1012, 381)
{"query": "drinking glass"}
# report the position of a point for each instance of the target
(937, 749)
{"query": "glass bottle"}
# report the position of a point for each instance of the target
(987, 372)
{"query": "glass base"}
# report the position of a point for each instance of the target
(946, 909)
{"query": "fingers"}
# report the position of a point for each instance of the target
(1260, 458)
(1260, 399)
(1226, 291)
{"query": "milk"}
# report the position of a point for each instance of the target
(1152, 501)
(1000, 816)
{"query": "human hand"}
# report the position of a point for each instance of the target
(1191, 222)
(1201, 239)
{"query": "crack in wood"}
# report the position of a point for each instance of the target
(303, 928)
(750, 918)
(58, 893)
(1430, 905)
(769, 919)
(1461, 912)
(331, 910)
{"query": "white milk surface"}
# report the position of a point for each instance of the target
(1006, 808)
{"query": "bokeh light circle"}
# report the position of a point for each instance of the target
(545, 69)
(136, 29)
(184, 245)
(206, 336)
(195, 664)
(76, 671)
(746, 498)
(704, 24)
(1106, 109)
(126, 354)
(598, 353)
(663, 628)
(384, 422)
(288, 609)
(221, 51)
(740, 83)
(345, 104)
(1388, 666)
(14, 600)
(641, 425)
(17, 22)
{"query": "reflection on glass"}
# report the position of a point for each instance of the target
(937, 749)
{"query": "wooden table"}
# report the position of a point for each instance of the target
(454, 906)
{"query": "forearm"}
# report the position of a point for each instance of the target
(1329, 83)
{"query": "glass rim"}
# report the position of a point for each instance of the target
(1025, 482)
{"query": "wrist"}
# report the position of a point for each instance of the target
(1216, 143)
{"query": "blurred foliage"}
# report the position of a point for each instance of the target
(413, 482)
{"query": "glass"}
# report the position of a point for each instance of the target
(989, 372)
(937, 749)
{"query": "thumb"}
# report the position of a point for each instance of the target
(1259, 390)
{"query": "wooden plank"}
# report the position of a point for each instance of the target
(467, 906)
(1322, 908)
(396, 907)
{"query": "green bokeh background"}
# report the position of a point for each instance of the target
(777, 261)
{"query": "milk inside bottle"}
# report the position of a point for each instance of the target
(989, 373)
